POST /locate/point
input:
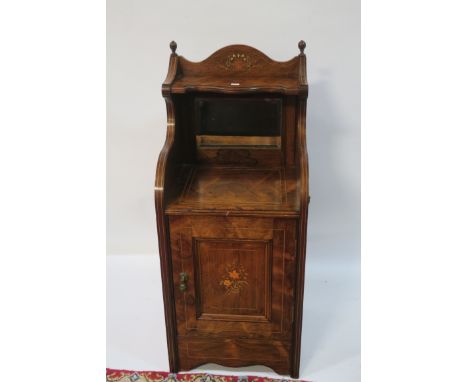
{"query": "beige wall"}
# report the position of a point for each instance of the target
(138, 35)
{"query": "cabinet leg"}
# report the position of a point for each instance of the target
(295, 371)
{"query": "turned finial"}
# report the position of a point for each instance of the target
(302, 46)
(173, 46)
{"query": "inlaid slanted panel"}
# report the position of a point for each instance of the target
(233, 279)
(236, 189)
(218, 186)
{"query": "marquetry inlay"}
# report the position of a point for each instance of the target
(234, 279)
(245, 186)
(241, 58)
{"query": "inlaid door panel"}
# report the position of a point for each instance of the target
(238, 276)
(232, 279)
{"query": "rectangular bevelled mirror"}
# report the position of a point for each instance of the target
(235, 121)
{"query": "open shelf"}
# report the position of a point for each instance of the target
(280, 85)
(236, 190)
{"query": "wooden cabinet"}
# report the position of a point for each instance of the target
(231, 199)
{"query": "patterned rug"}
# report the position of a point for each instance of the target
(113, 375)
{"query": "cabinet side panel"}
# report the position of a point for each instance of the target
(161, 189)
(303, 167)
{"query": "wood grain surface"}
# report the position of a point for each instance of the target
(231, 196)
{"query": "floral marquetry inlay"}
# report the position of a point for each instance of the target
(234, 279)
(236, 59)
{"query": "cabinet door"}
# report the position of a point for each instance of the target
(237, 276)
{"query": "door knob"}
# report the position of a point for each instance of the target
(183, 281)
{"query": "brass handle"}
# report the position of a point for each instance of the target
(183, 281)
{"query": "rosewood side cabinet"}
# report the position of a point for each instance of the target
(231, 196)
